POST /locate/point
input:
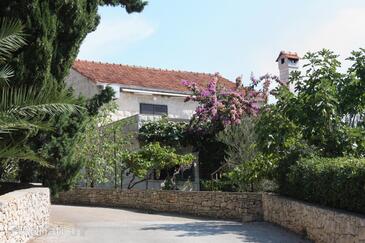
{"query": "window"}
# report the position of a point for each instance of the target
(282, 60)
(152, 109)
(292, 61)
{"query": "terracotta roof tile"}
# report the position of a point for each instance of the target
(142, 76)
(290, 55)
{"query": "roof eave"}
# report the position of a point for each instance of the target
(132, 88)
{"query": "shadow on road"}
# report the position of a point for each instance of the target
(251, 232)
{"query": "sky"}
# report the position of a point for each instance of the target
(232, 37)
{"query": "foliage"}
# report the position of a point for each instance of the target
(11, 39)
(55, 30)
(98, 100)
(240, 141)
(312, 120)
(334, 182)
(217, 185)
(168, 184)
(58, 147)
(100, 148)
(352, 90)
(164, 131)
(152, 157)
(279, 137)
(219, 107)
(23, 111)
(246, 166)
(251, 172)
(319, 108)
(8, 170)
(316, 104)
(24, 108)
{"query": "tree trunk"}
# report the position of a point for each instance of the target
(130, 186)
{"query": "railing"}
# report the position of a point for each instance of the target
(217, 174)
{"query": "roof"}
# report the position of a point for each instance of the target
(289, 55)
(143, 77)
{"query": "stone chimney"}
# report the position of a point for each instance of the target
(287, 62)
(239, 82)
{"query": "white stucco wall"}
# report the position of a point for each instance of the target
(129, 103)
(80, 84)
(285, 69)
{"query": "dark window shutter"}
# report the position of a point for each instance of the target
(152, 109)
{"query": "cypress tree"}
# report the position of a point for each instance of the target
(55, 30)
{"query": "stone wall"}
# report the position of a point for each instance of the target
(223, 205)
(317, 223)
(24, 214)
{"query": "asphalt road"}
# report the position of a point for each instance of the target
(71, 224)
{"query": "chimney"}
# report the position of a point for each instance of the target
(287, 62)
(239, 82)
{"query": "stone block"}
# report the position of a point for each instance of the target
(26, 214)
(361, 231)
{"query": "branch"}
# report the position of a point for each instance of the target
(130, 182)
(137, 182)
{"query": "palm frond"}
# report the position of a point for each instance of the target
(28, 102)
(28, 110)
(31, 111)
(24, 110)
(22, 152)
(12, 124)
(11, 37)
(6, 72)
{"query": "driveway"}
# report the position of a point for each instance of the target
(70, 224)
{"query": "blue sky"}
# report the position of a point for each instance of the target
(232, 37)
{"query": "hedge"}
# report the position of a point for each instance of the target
(333, 182)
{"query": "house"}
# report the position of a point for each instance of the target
(140, 90)
(142, 94)
(152, 91)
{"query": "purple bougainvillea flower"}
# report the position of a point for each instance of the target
(185, 82)
(219, 106)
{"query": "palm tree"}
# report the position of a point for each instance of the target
(23, 110)
(11, 39)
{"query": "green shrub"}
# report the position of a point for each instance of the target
(217, 185)
(248, 175)
(334, 182)
(240, 141)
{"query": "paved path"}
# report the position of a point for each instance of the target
(71, 224)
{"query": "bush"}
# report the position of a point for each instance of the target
(227, 185)
(217, 185)
(240, 141)
(248, 175)
(334, 182)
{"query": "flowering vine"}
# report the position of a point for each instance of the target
(219, 106)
